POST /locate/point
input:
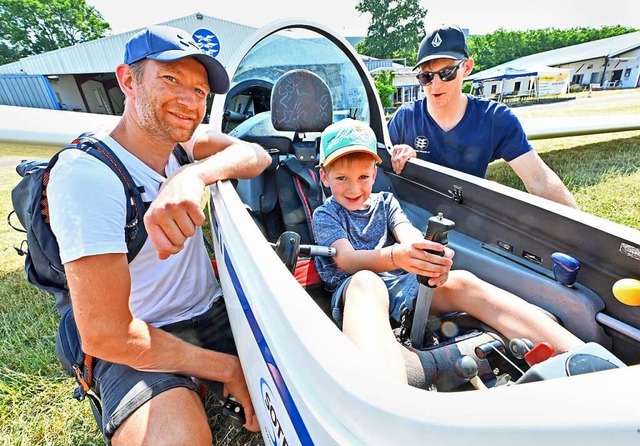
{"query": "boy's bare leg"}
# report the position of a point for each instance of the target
(507, 313)
(175, 417)
(366, 324)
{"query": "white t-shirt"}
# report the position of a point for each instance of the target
(88, 215)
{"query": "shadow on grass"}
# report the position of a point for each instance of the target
(581, 166)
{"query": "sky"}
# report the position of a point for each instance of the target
(479, 17)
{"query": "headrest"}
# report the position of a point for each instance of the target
(301, 102)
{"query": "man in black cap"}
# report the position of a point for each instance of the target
(156, 322)
(461, 131)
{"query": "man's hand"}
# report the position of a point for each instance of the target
(237, 387)
(400, 154)
(175, 213)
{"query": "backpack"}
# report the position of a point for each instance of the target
(43, 267)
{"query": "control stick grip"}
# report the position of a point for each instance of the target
(317, 250)
(438, 229)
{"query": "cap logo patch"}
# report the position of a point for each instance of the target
(436, 41)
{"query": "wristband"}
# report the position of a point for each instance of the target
(392, 260)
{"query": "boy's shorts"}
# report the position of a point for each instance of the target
(403, 288)
(123, 390)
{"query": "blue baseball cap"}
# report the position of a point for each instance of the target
(168, 44)
(344, 137)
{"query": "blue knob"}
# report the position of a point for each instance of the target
(565, 268)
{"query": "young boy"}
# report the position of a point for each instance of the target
(379, 252)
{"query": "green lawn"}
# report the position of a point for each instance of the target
(36, 404)
(601, 171)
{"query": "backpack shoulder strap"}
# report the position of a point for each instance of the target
(181, 155)
(135, 232)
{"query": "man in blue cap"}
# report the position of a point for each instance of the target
(460, 131)
(156, 322)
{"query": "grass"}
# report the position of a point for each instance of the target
(601, 171)
(36, 404)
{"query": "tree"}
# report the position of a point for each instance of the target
(384, 85)
(395, 30)
(503, 46)
(36, 26)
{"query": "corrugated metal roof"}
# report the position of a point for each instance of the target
(23, 90)
(103, 55)
(612, 47)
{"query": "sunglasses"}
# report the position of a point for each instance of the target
(447, 74)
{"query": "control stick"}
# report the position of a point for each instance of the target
(437, 229)
(288, 248)
(466, 368)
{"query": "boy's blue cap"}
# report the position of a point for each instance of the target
(168, 44)
(347, 136)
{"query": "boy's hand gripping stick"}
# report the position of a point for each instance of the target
(437, 229)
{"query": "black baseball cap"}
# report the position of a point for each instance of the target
(168, 44)
(445, 42)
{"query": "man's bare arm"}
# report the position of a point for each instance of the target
(222, 157)
(540, 180)
(176, 212)
(100, 288)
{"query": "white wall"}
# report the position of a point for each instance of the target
(407, 87)
(67, 90)
(96, 97)
(509, 86)
(594, 67)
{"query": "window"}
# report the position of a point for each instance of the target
(494, 88)
(595, 78)
(577, 79)
(627, 72)
(589, 66)
(516, 87)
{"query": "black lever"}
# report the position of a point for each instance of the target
(232, 408)
(288, 248)
(466, 368)
(438, 228)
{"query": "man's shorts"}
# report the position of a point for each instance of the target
(403, 288)
(123, 390)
